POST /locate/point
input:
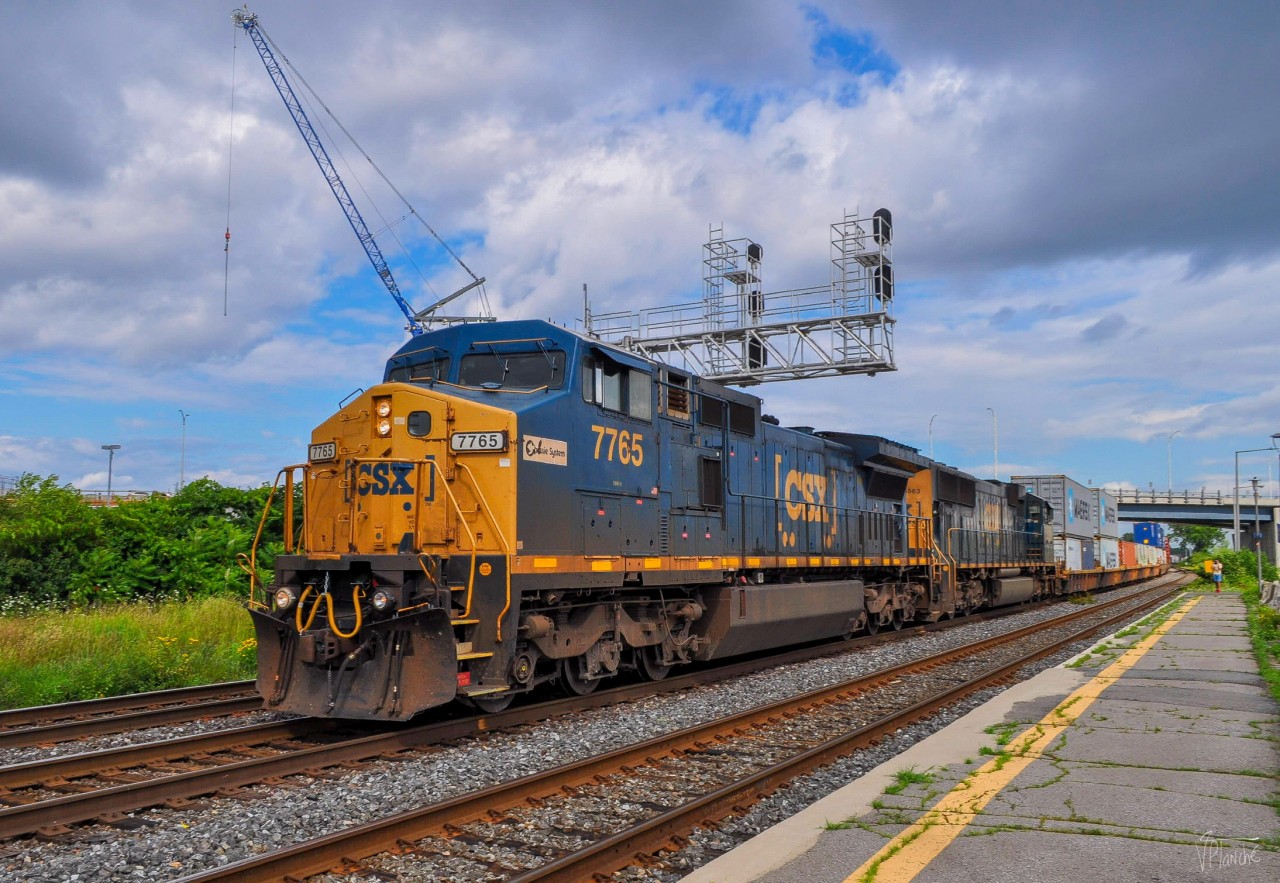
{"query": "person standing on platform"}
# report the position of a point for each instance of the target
(1217, 575)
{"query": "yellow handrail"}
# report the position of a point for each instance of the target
(249, 563)
(506, 546)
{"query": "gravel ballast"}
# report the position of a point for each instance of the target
(168, 844)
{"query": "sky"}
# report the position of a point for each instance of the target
(1086, 204)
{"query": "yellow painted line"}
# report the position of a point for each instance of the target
(706, 565)
(909, 853)
(653, 564)
(815, 562)
(544, 563)
(753, 562)
(601, 565)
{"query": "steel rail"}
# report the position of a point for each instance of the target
(620, 849)
(44, 714)
(119, 723)
(343, 847)
(54, 814)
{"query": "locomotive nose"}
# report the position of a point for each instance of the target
(391, 671)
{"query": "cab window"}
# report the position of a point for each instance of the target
(497, 370)
(429, 371)
(615, 387)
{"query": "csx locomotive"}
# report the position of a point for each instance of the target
(519, 504)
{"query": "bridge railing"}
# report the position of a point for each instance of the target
(1201, 497)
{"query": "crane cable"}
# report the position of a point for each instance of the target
(413, 211)
(231, 136)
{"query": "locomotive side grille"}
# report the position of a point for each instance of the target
(664, 535)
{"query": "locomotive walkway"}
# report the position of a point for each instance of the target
(1155, 759)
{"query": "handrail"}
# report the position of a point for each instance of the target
(249, 563)
(506, 546)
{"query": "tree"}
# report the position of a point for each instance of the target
(1195, 537)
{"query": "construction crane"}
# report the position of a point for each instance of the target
(418, 321)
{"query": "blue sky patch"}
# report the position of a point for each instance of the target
(854, 52)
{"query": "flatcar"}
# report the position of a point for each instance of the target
(517, 504)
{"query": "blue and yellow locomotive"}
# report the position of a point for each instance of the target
(519, 504)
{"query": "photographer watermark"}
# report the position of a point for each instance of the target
(1216, 854)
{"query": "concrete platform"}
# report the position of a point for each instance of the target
(1153, 757)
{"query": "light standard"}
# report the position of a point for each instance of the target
(111, 456)
(1168, 443)
(995, 444)
(1257, 530)
(182, 468)
(1235, 508)
(931, 436)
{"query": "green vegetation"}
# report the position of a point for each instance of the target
(1239, 569)
(904, 778)
(56, 551)
(60, 656)
(145, 595)
(1195, 538)
(1264, 634)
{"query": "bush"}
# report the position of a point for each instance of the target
(57, 550)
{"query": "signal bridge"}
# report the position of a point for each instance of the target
(741, 334)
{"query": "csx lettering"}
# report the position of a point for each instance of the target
(805, 494)
(625, 444)
(385, 479)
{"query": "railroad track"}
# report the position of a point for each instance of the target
(23, 727)
(772, 744)
(48, 795)
(67, 721)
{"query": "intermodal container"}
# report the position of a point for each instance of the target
(1072, 552)
(1108, 508)
(1109, 553)
(1148, 533)
(1128, 554)
(1075, 509)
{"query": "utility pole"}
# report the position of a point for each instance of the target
(182, 469)
(1169, 450)
(111, 458)
(995, 444)
(1257, 530)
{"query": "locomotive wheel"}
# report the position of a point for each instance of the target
(898, 618)
(650, 664)
(873, 624)
(574, 683)
(493, 704)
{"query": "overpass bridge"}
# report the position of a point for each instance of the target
(1212, 509)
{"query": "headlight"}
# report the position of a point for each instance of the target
(384, 426)
(384, 408)
(382, 600)
(285, 598)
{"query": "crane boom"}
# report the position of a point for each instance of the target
(249, 21)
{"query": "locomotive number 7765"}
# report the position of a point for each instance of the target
(627, 445)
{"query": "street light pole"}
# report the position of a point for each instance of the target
(931, 436)
(1169, 450)
(111, 457)
(1257, 532)
(1235, 492)
(995, 444)
(182, 469)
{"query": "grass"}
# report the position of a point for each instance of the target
(1264, 635)
(129, 648)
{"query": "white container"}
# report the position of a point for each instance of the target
(1108, 509)
(1108, 553)
(1069, 551)
(1075, 507)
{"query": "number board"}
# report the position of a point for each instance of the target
(322, 451)
(471, 442)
